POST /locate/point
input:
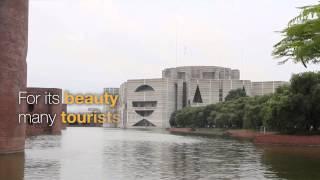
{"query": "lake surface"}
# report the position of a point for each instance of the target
(98, 153)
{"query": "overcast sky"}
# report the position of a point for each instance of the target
(85, 45)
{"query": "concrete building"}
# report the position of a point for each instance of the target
(108, 109)
(150, 102)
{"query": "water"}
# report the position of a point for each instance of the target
(97, 153)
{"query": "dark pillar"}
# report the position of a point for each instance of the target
(12, 166)
(13, 72)
(56, 110)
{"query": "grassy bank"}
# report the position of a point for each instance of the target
(269, 138)
(198, 131)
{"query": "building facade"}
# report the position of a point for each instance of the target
(150, 102)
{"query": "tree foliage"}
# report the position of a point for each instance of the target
(235, 94)
(301, 42)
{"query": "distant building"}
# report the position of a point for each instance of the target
(150, 102)
(107, 108)
(89, 120)
(44, 108)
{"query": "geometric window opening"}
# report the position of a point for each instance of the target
(244, 89)
(208, 75)
(197, 96)
(144, 113)
(30, 107)
(144, 104)
(181, 75)
(184, 95)
(144, 88)
(220, 95)
(144, 123)
(29, 121)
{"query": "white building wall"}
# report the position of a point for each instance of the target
(266, 87)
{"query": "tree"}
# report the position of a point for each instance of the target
(235, 94)
(253, 112)
(307, 86)
(301, 42)
(295, 109)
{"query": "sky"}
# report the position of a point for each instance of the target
(86, 45)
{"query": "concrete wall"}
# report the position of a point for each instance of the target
(266, 87)
(123, 105)
(201, 72)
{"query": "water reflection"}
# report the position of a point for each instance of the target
(43, 157)
(97, 153)
(149, 155)
(12, 166)
(145, 154)
(293, 162)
